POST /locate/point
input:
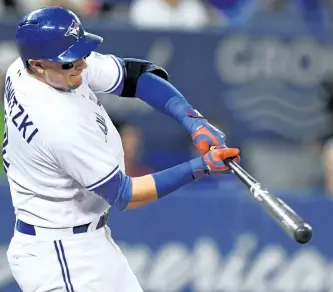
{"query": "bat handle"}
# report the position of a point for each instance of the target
(229, 162)
(247, 179)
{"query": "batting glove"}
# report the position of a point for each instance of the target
(204, 134)
(213, 161)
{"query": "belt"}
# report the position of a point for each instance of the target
(29, 229)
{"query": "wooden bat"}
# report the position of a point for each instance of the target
(290, 222)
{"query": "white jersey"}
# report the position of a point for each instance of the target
(59, 146)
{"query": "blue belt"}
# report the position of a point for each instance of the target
(29, 229)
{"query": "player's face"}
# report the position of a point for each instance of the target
(60, 78)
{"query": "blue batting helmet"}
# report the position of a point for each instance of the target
(54, 34)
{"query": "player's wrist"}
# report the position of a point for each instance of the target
(171, 179)
(199, 168)
(193, 120)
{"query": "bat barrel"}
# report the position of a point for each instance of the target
(290, 222)
(303, 234)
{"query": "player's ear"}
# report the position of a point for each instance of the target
(36, 66)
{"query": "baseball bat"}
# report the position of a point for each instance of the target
(290, 222)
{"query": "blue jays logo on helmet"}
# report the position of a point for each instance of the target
(73, 30)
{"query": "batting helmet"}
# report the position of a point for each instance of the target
(54, 34)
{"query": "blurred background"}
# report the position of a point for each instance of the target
(262, 71)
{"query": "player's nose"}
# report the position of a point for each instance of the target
(81, 64)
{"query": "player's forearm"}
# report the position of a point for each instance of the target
(122, 191)
(143, 189)
(163, 96)
(152, 187)
(155, 186)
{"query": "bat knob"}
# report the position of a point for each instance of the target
(303, 234)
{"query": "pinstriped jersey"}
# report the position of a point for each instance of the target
(59, 146)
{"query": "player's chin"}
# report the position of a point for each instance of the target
(75, 81)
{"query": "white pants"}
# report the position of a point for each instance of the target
(77, 263)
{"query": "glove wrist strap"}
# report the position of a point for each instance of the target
(193, 121)
(199, 168)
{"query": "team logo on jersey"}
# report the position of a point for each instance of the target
(73, 30)
(95, 99)
(102, 124)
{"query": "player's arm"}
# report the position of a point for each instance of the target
(123, 192)
(143, 191)
(82, 152)
(149, 82)
(143, 79)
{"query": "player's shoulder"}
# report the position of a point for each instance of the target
(98, 60)
(96, 56)
(16, 64)
(15, 67)
(104, 72)
(19, 80)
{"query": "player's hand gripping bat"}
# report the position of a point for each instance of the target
(290, 222)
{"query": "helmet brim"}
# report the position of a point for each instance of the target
(83, 47)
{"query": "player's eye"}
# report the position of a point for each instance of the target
(67, 66)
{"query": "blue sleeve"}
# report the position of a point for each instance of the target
(171, 179)
(117, 191)
(163, 96)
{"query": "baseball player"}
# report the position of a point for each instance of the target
(64, 158)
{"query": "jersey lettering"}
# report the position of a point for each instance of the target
(4, 146)
(12, 102)
(9, 91)
(18, 115)
(20, 112)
